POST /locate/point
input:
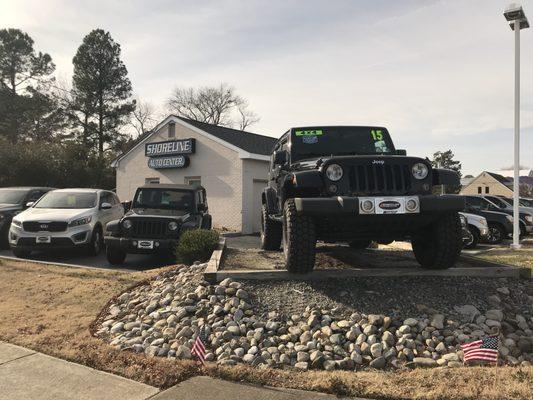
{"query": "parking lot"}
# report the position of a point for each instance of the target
(134, 262)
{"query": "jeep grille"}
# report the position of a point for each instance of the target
(143, 228)
(377, 179)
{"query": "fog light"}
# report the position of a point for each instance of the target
(411, 205)
(156, 244)
(134, 243)
(333, 188)
(367, 205)
(425, 187)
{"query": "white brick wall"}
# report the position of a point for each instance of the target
(220, 169)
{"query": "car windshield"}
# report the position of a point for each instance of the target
(498, 202)
(526, 202)
(67, 200)
(171, 199)
(345, 140)
(10, 196)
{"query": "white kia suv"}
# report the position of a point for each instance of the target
(65, 219)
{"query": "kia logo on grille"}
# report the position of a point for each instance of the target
(44, 226)
(389, 205)
(381, 162)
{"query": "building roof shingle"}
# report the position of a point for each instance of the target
(500, 178)
(247, 141)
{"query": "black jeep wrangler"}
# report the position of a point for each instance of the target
(158, 216)
(350, 184)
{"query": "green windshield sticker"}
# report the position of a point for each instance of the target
(316, 132)
(377, 134)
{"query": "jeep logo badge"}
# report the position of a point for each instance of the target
(389, 205)
(380, 162)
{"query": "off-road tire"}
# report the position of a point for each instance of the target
(359, 244)
(19, 253)
(271, 231)
(496, 233)
(96, 244)
(299, 240)
(439, 245)
(475, 238)
(115, 256)
(206, 222)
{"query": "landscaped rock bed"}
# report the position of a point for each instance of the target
(336, 324)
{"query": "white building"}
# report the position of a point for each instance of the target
(232, 165)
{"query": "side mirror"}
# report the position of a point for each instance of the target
(106, 206)
(401, 152)
(280, 157)
(30, 203)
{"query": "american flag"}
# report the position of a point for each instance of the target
(198, 348)
(485, 349)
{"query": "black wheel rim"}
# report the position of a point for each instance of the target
(495, 235)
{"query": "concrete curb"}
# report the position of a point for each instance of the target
(211, 271)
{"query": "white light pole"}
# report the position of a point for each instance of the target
(517, 21)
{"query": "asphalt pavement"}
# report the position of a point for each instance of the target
(134, 262)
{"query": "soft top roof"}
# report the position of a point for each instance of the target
(171, 186)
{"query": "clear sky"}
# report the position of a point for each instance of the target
(438, 74)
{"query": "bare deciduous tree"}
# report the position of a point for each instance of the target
(144, 117)
(219, 105)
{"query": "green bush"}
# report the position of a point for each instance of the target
(196, 245)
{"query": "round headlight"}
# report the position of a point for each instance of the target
(334, 172)
(420, 171)
(172, 225)
(126, 224)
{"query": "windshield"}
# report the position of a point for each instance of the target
(526, 202)
(343, 140)
(67, 200)
(171, 199)
(9, 196)
(500, 203)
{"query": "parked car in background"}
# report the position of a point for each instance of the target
(14, 200)
(505, 205)
(500, 223)
(478, 228)
(65, 219)
(526, 202)
(159, 215)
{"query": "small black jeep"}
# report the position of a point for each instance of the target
(350, 184)
(158, 216)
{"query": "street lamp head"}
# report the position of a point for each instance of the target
(524, 23)
(514, 12)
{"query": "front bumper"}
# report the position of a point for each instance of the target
(131, 245)
(344, 205)
(75, 237)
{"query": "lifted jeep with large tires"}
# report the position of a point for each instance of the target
(159, 215)
(350, 184)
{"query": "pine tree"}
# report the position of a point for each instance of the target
(101, 91)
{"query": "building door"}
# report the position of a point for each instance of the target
(258, 187)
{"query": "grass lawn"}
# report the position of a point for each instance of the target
(504, 255)
(50, 309)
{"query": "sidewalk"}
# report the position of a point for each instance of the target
(26, 374)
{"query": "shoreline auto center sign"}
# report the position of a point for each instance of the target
(169, 154)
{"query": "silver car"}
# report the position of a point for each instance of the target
(65, 219)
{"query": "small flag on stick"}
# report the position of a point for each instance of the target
(198, 349)
(485, 349)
